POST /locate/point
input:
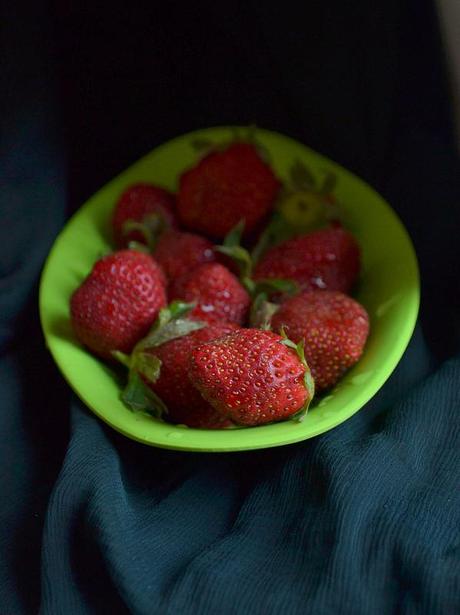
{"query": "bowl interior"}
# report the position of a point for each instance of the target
(389, 289)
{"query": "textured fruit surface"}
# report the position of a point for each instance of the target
(224, 188)
(185, 403)
(117, 303)
(217, 292)
(325, 259)
(179, 252)
(250, 376)
(334, 327)
(136, 203)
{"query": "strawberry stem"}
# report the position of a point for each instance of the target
(262, 311)
(122, 358)
(138, 397)
(151, 227)
(308, 378)
(144, 365)
(232, 247)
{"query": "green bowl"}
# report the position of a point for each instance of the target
(389, 289)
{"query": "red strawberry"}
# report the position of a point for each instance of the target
(224, 188)
(184, 402)
(179, 253)
(116, 304)
(217, 292)
(334, 328)
(326, 259)
(141, 203)
(251, 377)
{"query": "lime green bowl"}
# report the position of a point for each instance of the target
(389, 289)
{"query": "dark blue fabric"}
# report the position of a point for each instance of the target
(364, 519)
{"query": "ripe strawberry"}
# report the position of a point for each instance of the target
(334, 328)
(224, 188)
(142, 203)
(252, 377)
(184, 402)
(325, 259)
(116, 304)
(179, 253)
(217, 292)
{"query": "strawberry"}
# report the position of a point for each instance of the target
(325, 259)
(179, 253)
(184, 402)
(334, 328)
(224, 188)
(217, 292)
(252, 377)
(141, 210)
(116, 304)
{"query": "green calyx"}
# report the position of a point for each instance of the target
(139, 397)
(151, 227)
(308, 378)
(144, 366)
(302, 178)
(232, 247)
(262, 311)
(170, 324)
(244, 134)
(305, 203)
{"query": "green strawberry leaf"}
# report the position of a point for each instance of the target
(308, 379)
(251, 137)
(176, 309)
(276, 231)
(233, 237)
(300, 415)
(262, 311)
(151, 227)
(251, 133)
(277, 285)
(301, 176)
(169, 331)
(249, 285)
(309, 383)
(202, 144)
(329, 183)
(287, 342)
(134, 225)
(138, 247)
(169, 325)
(140, 398)
(241, 257)
(148, 365)
(235, 134)
(300, 349)
(232, 247)
(122, 358)
(310, 386)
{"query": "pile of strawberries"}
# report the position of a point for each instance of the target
(218, 323)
